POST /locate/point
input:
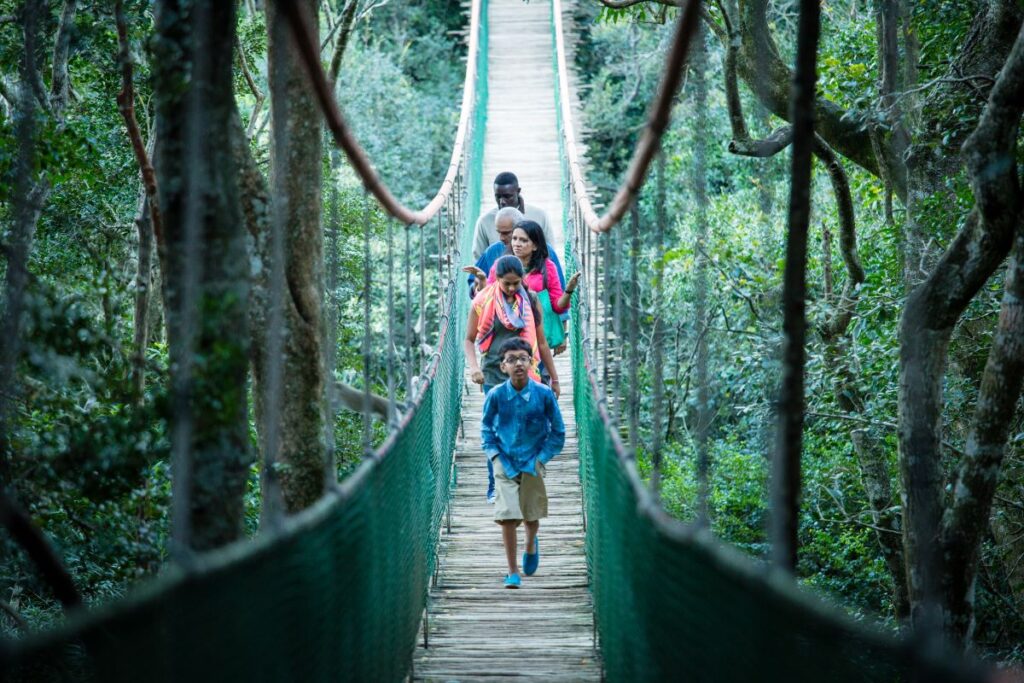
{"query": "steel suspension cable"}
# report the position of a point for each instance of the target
(700, 285)
(634, 336)
(657, 370)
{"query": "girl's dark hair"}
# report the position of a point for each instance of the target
(508, 264)
(536, 235)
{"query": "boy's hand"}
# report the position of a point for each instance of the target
(477, 377)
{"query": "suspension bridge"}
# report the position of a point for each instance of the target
(395, 574)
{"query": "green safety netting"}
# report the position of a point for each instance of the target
(673, 604)
(338, 593)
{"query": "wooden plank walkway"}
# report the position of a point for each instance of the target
(476, 629)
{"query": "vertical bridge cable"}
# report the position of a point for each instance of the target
(785, 494)
(408, 313)
(422, 319)
(367, 293)
(606, 303)
(700, 295)
(657, 371)
(392, 409)
(616, 266)
(634, 337)
(440, 264)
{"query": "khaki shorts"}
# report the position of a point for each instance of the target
(523, 497)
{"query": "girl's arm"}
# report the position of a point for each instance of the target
(469, 344)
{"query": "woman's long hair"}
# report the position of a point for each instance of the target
(540, 251)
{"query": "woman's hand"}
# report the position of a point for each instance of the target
(558, 349)
(477, 377)
(475, 272)
(555, 388)
(570, 286)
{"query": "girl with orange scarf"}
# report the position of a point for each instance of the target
(502, 310)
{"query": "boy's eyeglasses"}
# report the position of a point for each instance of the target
(518, 360)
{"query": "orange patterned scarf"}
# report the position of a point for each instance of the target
(493, 308)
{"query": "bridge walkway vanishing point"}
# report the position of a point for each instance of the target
(475, 628)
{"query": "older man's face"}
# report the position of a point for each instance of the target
(504, 228)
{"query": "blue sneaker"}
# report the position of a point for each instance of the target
(513, 581)
(532, 560)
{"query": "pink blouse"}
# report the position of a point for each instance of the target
(547, 279)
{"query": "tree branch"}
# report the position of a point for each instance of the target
(931, 312)
(60, 81)
(346, 22)
(34, 542)
(126, 105)
(761, 67)
(253, 87)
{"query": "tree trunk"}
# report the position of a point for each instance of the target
(296, 160)
(786, 473)
(206, 286)
(143, 288)
(931, 312)
(967, 519)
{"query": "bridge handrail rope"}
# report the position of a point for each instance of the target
(670, 600)
(336, 592)
(309, 50)
(650, 138)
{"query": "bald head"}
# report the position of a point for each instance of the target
(504, 222)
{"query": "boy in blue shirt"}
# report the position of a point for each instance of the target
(521, 431)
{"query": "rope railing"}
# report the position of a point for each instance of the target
(309, 50)
(650, 139)
(671, 602)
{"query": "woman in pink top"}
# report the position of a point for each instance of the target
(529, 245)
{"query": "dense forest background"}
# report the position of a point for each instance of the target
(88, 454)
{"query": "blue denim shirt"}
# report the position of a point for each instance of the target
(522, 427)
